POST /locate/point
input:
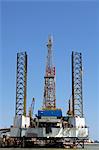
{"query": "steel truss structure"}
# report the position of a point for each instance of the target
(77, 99)
(21, 84)
(49, 101)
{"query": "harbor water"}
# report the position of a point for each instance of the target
(87, 147)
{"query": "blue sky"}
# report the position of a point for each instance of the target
(25, 26)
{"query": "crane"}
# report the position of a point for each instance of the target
(31, 109)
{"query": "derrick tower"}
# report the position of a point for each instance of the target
(21, 84)
(77, 99)
(49, 101)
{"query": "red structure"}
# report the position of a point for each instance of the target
(49, 101)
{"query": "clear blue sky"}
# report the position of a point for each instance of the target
(25, 26)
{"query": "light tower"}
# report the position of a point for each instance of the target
(49, 101)
(77, 99)
(21, 84)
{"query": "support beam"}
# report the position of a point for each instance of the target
(77, 98)
(21, 84)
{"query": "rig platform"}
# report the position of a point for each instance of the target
(49, 128)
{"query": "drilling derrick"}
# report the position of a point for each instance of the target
(77, 99)
(21, 84)
(49, 101)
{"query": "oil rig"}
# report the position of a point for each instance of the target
(49, 127)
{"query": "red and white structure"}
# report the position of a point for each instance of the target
(49, 101)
